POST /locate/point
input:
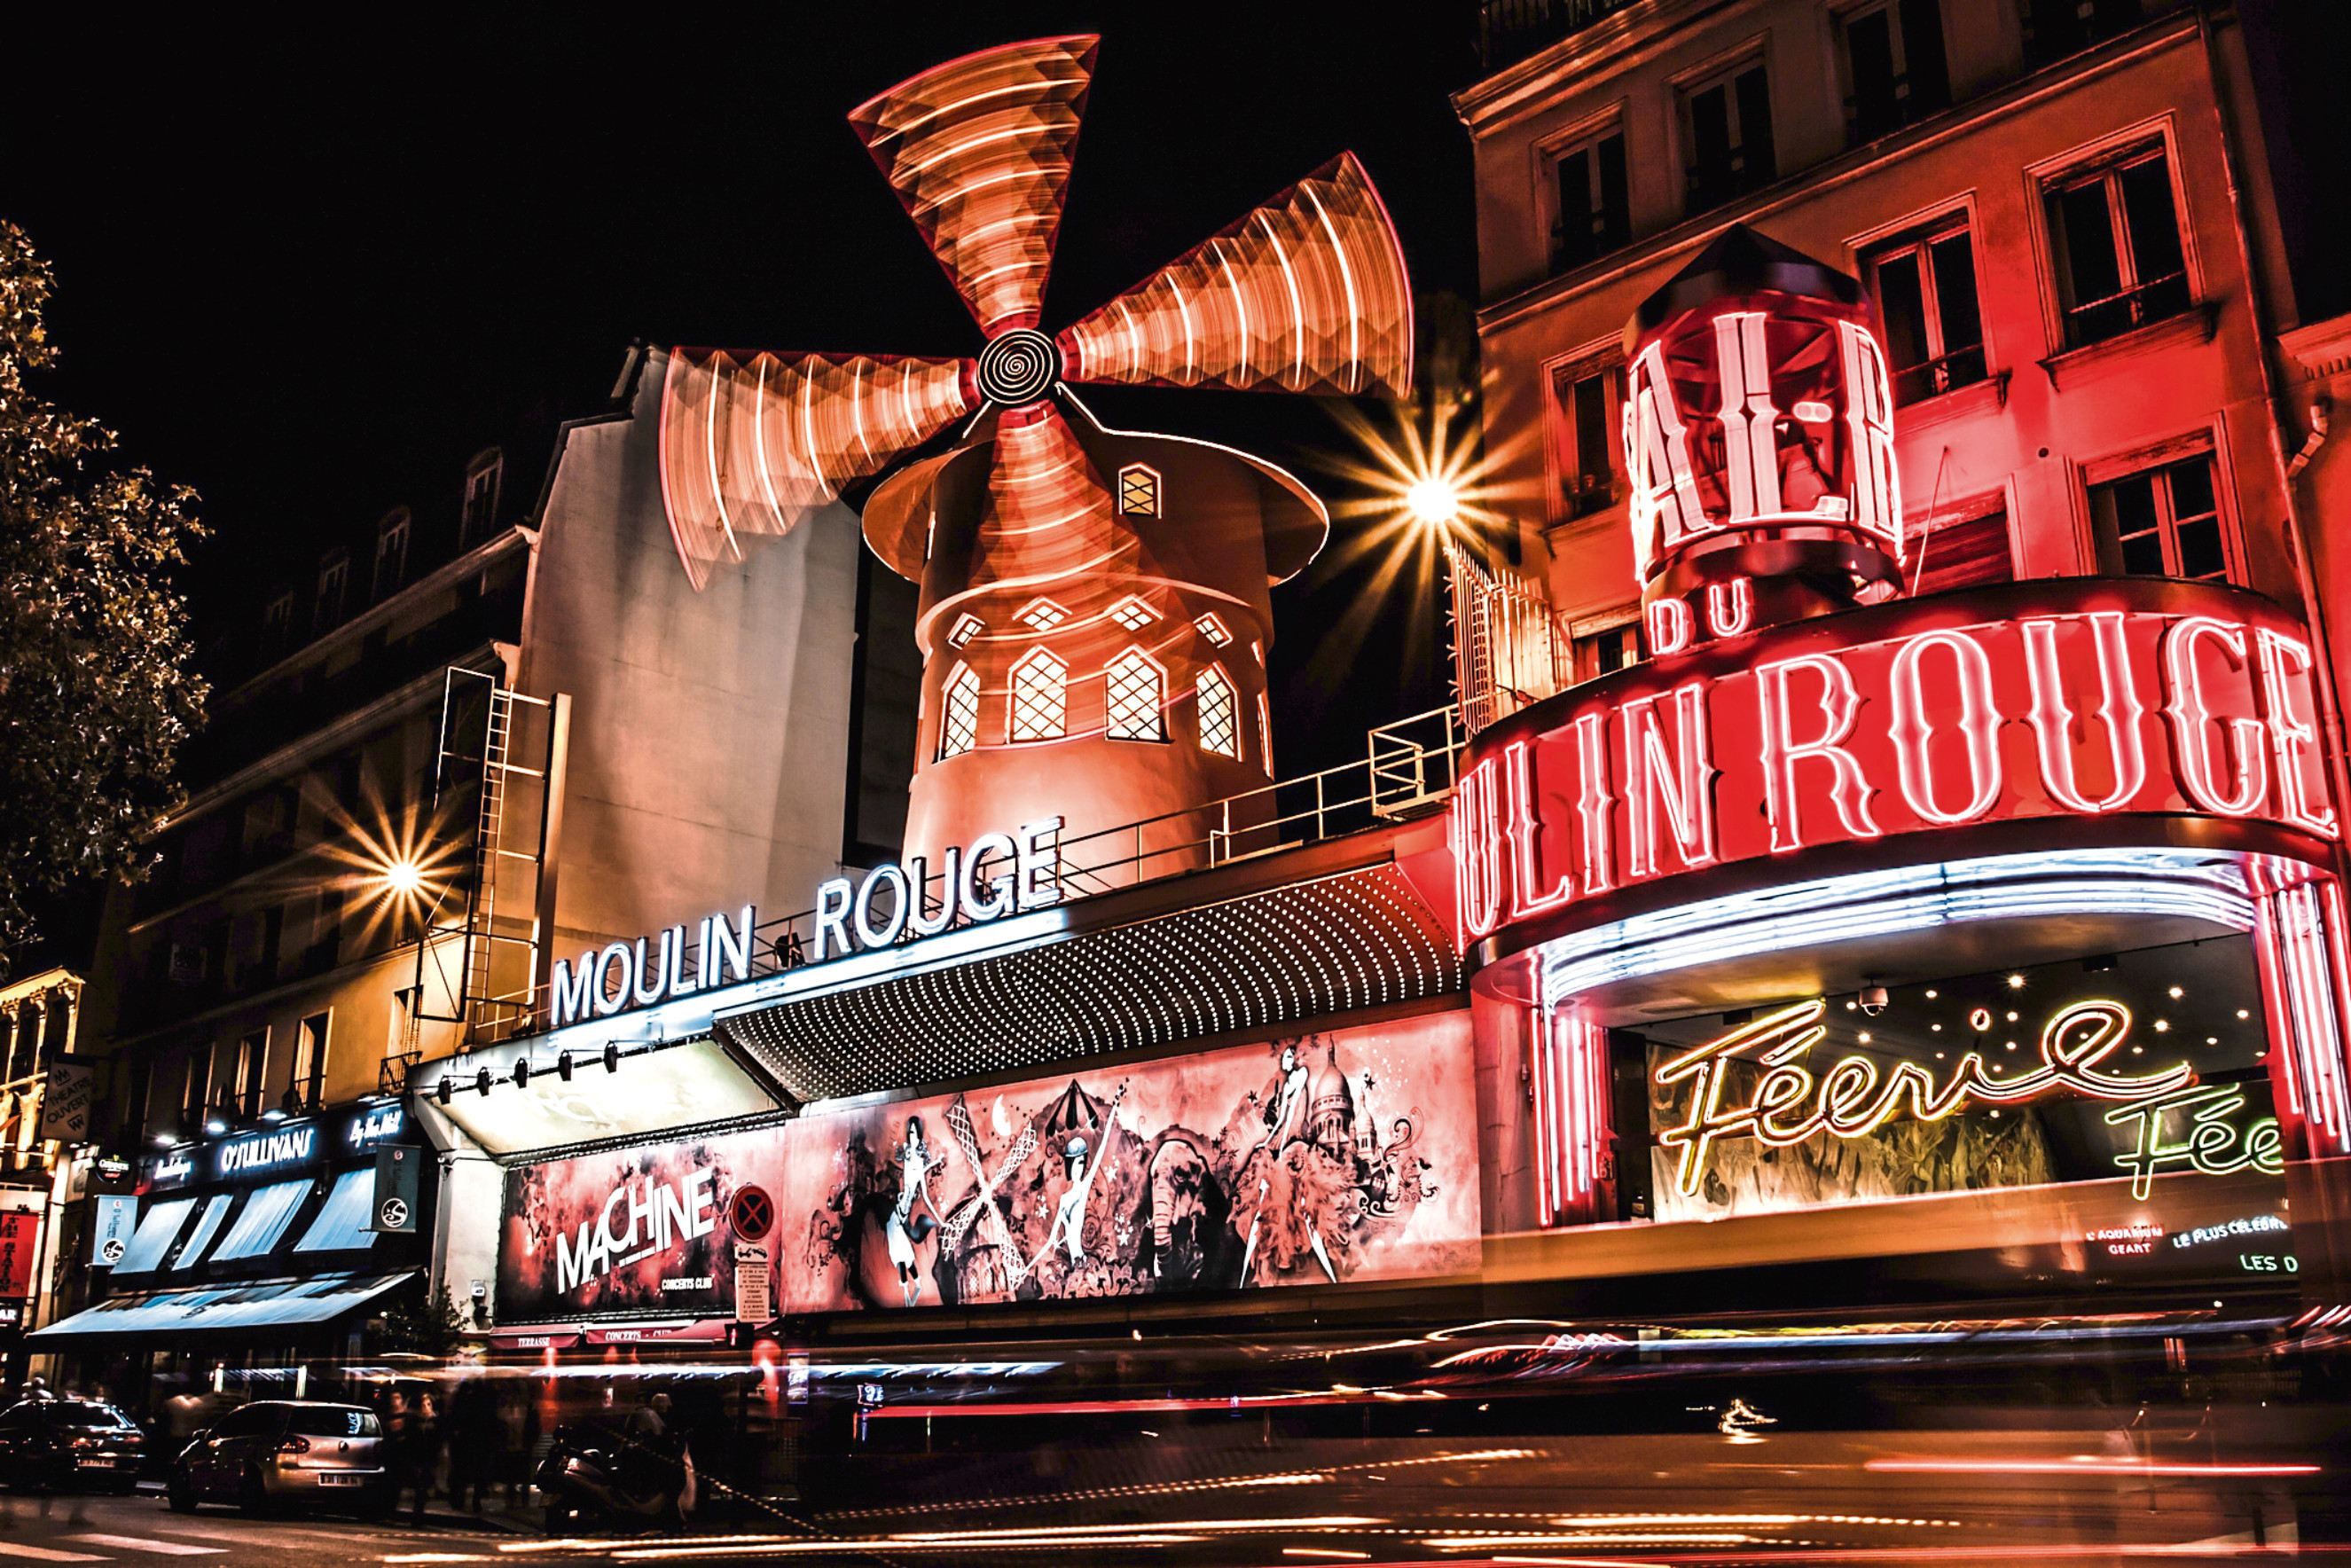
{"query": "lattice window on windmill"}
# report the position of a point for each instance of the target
(1041, 697)
(1138, 491)
(1220, 729)
(959, 712)
(1134, 691)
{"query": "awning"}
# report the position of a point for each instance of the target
(342, 1223)
(690, 1331)
(224, 1309)
(267, 1215)
(555, 1336)
(208, 1225)
(157, 1228)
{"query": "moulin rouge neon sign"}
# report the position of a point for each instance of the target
(1790, 1102)
(2086, 698)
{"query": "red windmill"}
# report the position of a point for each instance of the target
(1095, 608)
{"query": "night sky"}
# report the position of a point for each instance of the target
(309, 272)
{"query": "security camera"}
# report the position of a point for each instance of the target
(1873, 999)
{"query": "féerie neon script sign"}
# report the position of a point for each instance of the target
(1790, 1102)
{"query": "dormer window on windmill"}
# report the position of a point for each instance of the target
(1138, 491)
(1213, 629)
(1132, 613)
(966, 628)
(1041, 615)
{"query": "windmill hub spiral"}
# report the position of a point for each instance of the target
(1019, 367)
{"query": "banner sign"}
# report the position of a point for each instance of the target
(111, 1221)
(2078, 698)
(20, 1246)
(1314, 1160)
(67, 1100)
(398, 1184)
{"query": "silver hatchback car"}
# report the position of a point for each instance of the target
(277, 1451)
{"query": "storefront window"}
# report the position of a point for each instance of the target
(2134, 1067)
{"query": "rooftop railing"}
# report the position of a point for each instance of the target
(1409, 769)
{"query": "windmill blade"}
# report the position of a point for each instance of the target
(978, 149)
(1050, 521)
(1306, 294)
(752, 445)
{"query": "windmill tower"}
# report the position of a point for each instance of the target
(1095, 603)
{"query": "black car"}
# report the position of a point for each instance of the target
(65, 1445)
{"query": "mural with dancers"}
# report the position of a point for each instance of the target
(1310, 1159)
(1313, 1159)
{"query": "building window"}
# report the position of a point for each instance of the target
(480, 512)
(1213, 629)
(1966, 550)
(1265, 733)
(1895, 68)
(2114, 236)
(2056, 28)
(1133, 613)
(276, 623)
(1726, 126)
(1926, 287)
(2161, 522)
(1041, 697)
(967, 627)
(199, 1084)
(959, 712)
(1134, 692)
(1600, 644)
(1584, 400)
(1138, 491)
(1220, 729)
(334, 579)
(1042, 615)
(252, 1079)
(308, 1087)
(391, 553)
(1595, 212)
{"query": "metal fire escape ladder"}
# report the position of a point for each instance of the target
(484, 974)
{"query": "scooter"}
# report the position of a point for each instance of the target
(631, 1471)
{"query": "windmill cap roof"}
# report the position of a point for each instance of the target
(1738, 260)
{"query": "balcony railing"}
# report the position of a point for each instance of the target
(1933, 378)
(1510, 30)
(2096, 321)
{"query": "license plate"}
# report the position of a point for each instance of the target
(339, 1479)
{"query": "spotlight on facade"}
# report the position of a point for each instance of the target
(403, 877)
(448, 1087)
(611, 1056)
(563, 1066)
(163, 1140)
(481, 1083)
(275, 1114)
(522, 1072)
(216, 1127)
(1434, 501)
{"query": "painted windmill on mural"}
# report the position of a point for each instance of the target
(1094, 610)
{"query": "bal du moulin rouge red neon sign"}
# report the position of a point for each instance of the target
(2082, 697)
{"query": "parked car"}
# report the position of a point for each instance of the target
(285, 1451)
(68, 1444)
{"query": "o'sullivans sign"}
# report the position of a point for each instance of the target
(2084, 697)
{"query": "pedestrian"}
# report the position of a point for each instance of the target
(424, 1429)
(476, 1439)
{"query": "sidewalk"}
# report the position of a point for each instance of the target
(495, 1519)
